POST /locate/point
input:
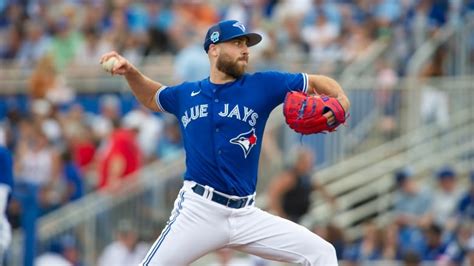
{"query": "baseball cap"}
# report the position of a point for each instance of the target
(402, 175)
(227, 30)
(446, 172)
(125, 226)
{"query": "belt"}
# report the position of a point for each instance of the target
(223, 200)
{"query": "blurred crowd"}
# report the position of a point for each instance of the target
(76, 33)
(432, 219)
(432, 222)
(66, 149)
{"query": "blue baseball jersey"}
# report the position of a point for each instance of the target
(222, 125)
(6, 167)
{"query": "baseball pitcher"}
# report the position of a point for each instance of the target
(222, 119)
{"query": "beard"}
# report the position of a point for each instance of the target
(232, 68)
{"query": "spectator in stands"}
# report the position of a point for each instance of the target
(411, 206)
(368, 248)
(434, 106)
(14, 13)
(387, 98)
(319, 36)
(159, 20)
(66, 41)
(445, 197)
(465, 207)
(269, 54)
(91, 49)
(359, 37)
(390, 243)
(79, 137)
(35, 46)
(126, 250)
(10, 48)
(290, 192)
(120, 157)
(36, 164)
(434, 243)
(43, 77)
(471, 250)
(290, 40)
(150, 130)
(110, 111)
(62, 252)
(190, 63)
(52, 257)
(118, 31)
(411, 258)
(325, 8)
(457, 249)
(46, 83)
(44, 117)
(424, 19)
(71, 250)
(72, 177)
(94, 16)
(240, 10)
(170, 145)
(200, 13)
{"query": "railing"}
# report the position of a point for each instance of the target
(92, 220)
(374, 182)
(457, 92)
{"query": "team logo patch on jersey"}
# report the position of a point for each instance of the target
(246, 141)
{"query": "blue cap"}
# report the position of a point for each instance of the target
(227, 30)
(402, 175)
(446, 172)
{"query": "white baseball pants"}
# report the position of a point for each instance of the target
(198, 226)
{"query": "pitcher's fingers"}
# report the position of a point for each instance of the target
(330, 118)
(121, 62)
(107, 56)
(119, 71)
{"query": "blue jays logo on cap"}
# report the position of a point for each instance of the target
(227, 30)
(246, 141)
(239, 25)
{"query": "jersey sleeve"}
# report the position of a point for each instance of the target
(279, 83)
(167, 99)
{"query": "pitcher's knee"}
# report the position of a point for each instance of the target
(323, 254)
(330, 251)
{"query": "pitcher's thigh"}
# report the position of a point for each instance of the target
(275, 238)
(185, 239)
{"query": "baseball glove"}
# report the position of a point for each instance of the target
(305, 113)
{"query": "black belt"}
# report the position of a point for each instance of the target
(223, 200)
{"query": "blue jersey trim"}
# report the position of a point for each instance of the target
(157, 98)
(165, 232)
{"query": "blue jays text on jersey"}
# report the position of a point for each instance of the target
(241, 113)
(222, 125)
